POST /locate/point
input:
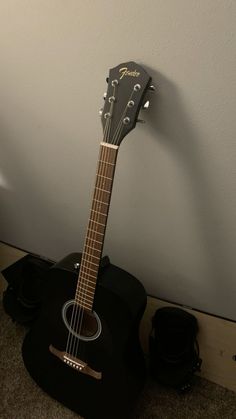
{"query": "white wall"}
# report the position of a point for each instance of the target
(172, 218)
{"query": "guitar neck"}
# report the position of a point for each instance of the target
(95, 235)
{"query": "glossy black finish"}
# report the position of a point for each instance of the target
(116, 352)
(127, 75)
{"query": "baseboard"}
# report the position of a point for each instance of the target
(216, 338)
(9, 255)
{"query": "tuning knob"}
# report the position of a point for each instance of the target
(146, 105)
(141, 121)
(104, 95)
(152, 88)
(100, 112)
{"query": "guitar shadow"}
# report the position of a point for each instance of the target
(171, 124)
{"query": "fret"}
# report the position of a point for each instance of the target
(85, 253)
(98, 219)
(88, 261)
(87, 279)
(93, 248)
(96, 222)
(89, 269)
(86, 291)
(105, 177)
(99, 207)
(106, 162)
(104, 200)
(101, 202)
(104, 182)
(95, 264)
(94, 240)
(82, 295)
(83, 304)
(96, 232)
(86, 282)
(84, 298)
(93, 270)
(100, 213)
(92, 243)
(91, 220)
(96, 228)
(107, 171)
(81, 292)
(103, 190)
(87, 286)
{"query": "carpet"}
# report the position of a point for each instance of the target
(21, 398)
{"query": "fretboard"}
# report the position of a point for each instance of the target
(94, 240)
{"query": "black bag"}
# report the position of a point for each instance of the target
(26, 278)
(173, 347)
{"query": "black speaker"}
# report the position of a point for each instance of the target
(23, 296)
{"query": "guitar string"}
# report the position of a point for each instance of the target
(78, 305)
(118, 133)
(116, 137)
(120, 125)
(79, 312)
(88, 260)
(77, 319)
(75, 314)
(85, 283)
(91, 238)
(98, 194)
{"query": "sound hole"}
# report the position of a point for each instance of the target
(80, 322)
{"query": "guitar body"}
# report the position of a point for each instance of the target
(116, 353)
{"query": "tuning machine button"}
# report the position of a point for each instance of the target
(126, 120)
(141, 121)
(137, 87)
(112, 99)
(130, 104)
(152, 88)
(104, 95)
(100, 112)
(146, 105)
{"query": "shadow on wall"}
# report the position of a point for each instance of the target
(31, 217)
(168, 117)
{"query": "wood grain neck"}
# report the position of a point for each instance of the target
(94, 240)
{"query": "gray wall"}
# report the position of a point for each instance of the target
(172, 218)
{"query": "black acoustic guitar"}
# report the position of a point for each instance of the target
(84, 348)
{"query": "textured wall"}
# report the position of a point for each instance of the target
(172, 218)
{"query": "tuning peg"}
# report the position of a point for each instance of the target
(100, 112)
(152, 88)
(107, 79)
(104, 95)
(141, 121)
(146, 104)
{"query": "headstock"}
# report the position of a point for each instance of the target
(127, 85)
